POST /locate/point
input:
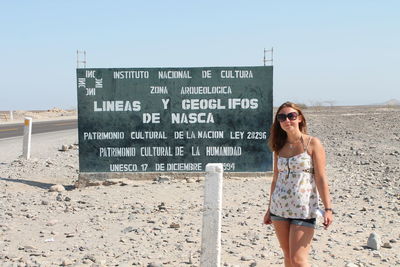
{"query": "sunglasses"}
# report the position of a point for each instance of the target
(291, 116)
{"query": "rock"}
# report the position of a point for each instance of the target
(94, 183)
(66, 262)
(128, 229)
(90, 257)
(69, 235)
(56, 188)
(152, 264)
(244, 258)
(174, 225)
(52, 223)
(72, 146)
(163, 179)
(49, 163)
(162, 207)
(59, 197)
(125, 182)
(376, 254)
(109, 182)
(190, 180)
(350, 264)
(387, 245)
(64, 148)
(28, 248)
(200, 179)
(374, 241)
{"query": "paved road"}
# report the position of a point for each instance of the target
(12, 130)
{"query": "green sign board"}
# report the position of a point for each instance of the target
(174, 119)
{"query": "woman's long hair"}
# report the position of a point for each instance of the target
(278, 136)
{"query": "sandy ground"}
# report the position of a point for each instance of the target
(151, 223)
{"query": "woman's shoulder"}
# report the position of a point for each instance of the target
(313, 142)
(310, 139)
(316, 146)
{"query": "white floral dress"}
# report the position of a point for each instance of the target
(295, 194)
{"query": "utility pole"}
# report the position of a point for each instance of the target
(270, 52)
(78, 61)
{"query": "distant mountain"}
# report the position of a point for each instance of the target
(391, 102)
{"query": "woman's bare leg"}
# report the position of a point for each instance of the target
(282, 230)
(300, 238)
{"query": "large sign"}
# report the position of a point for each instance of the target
(174, 119)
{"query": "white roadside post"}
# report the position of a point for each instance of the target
(11, 115)
(211, 230)
(27, 138)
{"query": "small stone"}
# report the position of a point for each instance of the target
(92, 258)
(67, 262)
(64, 148)
(128, 229)
(374, 241)
(126, 182)
(57, 188)
(52, 222)
(109, 182)
(387, 245)
(376, 254)
(174, 225)
(28, 249)
(244, 258)
(200, 179)
(350, 264)
(71, 146)
(69, 235)
(45, 202)
(190, 180)
(163, 179)
(162, 207)
(94, 183)
(153, 264)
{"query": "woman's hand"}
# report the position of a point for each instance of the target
(328, 219)
(267, 218)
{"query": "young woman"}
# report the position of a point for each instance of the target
(299, 179)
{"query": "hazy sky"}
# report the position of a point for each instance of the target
(347, 52)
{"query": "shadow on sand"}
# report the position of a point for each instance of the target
(36, 184)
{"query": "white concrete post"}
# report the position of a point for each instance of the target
(26, 148)
(11, 115)
(211, 230)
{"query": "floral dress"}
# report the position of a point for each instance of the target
(295, 194)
